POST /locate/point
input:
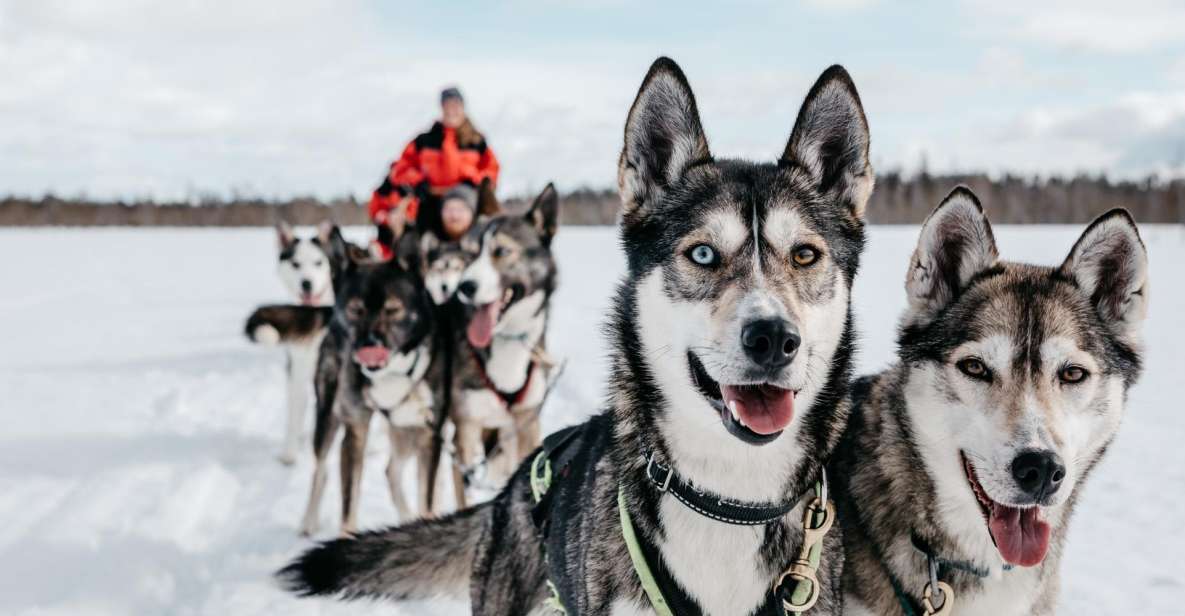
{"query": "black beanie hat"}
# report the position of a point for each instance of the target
(451, 92)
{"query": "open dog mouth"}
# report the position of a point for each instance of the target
(481, 325)
(372, 357)
(755, 413)
(1021, 534)
(310, 298)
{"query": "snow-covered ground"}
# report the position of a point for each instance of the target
(139, 427)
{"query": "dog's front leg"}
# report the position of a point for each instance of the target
(352, 455)
(323, 436)
(302, 363)
(402, 449)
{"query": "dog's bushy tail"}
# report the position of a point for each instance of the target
(286, 323)
(420, 560)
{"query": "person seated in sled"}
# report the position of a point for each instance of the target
(452, 153)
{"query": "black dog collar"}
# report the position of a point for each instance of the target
(711, 505)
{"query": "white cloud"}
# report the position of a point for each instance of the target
(1092, 25)
(136, 98)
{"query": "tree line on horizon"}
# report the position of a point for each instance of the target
(897, 199)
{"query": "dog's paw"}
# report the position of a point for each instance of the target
(287, 458)
(266, 334)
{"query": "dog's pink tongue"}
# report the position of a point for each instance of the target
(1021, 535)
(481, 326)
(764, 409)
(372, 356)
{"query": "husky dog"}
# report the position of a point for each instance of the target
(500, 374)
(442, 265)
(307, 270)
(375, 358)
(967, 454)
(732, 338)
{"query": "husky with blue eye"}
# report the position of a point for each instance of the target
(962, 462)
(699, 490)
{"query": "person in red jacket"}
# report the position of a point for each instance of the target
(452, 152)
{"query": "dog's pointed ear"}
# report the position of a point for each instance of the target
(1110, 264)
(325, 231)
(285, 236)
(830, 141)
(955, 244)
(341, 258)
(545, 213)
(663, 137)
(428, 243)
(407, 251)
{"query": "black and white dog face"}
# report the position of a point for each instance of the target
(305, 267)
(513, 273)
(442, 265)
(742, 270)
(384, 311)
(1017, 374)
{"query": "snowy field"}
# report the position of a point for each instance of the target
(137, 458)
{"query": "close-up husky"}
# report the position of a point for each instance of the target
(700, 490)
(307, 268)
(501, 372)
(375, 358)
(963, 461)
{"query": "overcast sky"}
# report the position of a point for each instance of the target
(126, 98)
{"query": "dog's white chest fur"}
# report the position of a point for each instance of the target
(715, 562)
(1011, 594)
(399, 383)
(515, 338)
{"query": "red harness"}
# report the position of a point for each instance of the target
(510, 399)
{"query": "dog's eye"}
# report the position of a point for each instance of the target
(318, 263)
(703, 254)
(1072, 375)
(500, 251)
(805, 256)
(974, 368)
(355, 312)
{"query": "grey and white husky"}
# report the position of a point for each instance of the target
(306, 269)
(732, 338)
(501, 372)
(967, 455)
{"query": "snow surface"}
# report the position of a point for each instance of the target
(137, 459)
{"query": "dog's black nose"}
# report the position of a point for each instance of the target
(467, 289)
(770, 343)
(1038, 473)
(306, 286)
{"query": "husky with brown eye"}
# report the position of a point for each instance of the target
(732, 345)
(378, 356)
(969, 453)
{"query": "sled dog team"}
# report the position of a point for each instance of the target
(738, 466)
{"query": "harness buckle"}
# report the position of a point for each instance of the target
(665, 482)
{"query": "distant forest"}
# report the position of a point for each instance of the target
(897, 199)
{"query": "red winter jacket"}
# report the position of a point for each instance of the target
(431, 164)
